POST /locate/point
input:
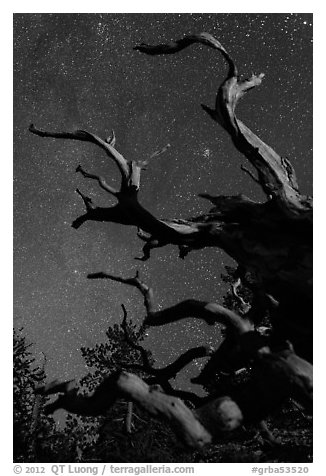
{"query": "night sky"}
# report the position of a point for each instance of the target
(79, 71)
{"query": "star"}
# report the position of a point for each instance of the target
(79, 71)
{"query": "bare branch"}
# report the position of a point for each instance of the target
(171, 370)
(178, 45)
(100, 180)
(276, 176)
(278, 375)
(271, 239)
(159, 152)
(211, 313)
(89, 137)
(162, 376)
(250, 174)
(244, 305)
(111, 139)
(131, 387)
(136, 282)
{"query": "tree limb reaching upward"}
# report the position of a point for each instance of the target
(279, 376)
(162, 376)
(271, 240)
(128, 211)
(248, 231)
(171, 370)
(107, 145)
(211, 313)
(276, 175)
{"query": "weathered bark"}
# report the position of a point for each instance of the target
(275, 173)
(271, 240)
(171, 370)
(279, 375)
(128, 211)
(243, 346)
(162, 376)
(210, 312)
(125, 385)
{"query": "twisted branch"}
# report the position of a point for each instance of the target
(107, 146)
(278, 375)
(276, 175)
(211, 313)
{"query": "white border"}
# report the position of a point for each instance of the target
(319, 186)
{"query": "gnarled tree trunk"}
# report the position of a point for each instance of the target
(270, 241)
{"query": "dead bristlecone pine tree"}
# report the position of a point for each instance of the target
(272, 244)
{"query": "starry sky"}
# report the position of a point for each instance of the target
(79, 71)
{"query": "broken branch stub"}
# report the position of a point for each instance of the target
(272, 239)
(210, 312)
(278, 376)
(276, 175)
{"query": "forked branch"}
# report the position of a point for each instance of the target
(211, 313)
(162, 376)
(106, 145)
(276, 175)
(278, 375)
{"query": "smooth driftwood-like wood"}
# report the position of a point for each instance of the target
(162, 376)
(275, 173)
(220, 416)
(272, 239)
(244, 343)
(131, 387)
(278, 375)
(210, 312)
(235, 352)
